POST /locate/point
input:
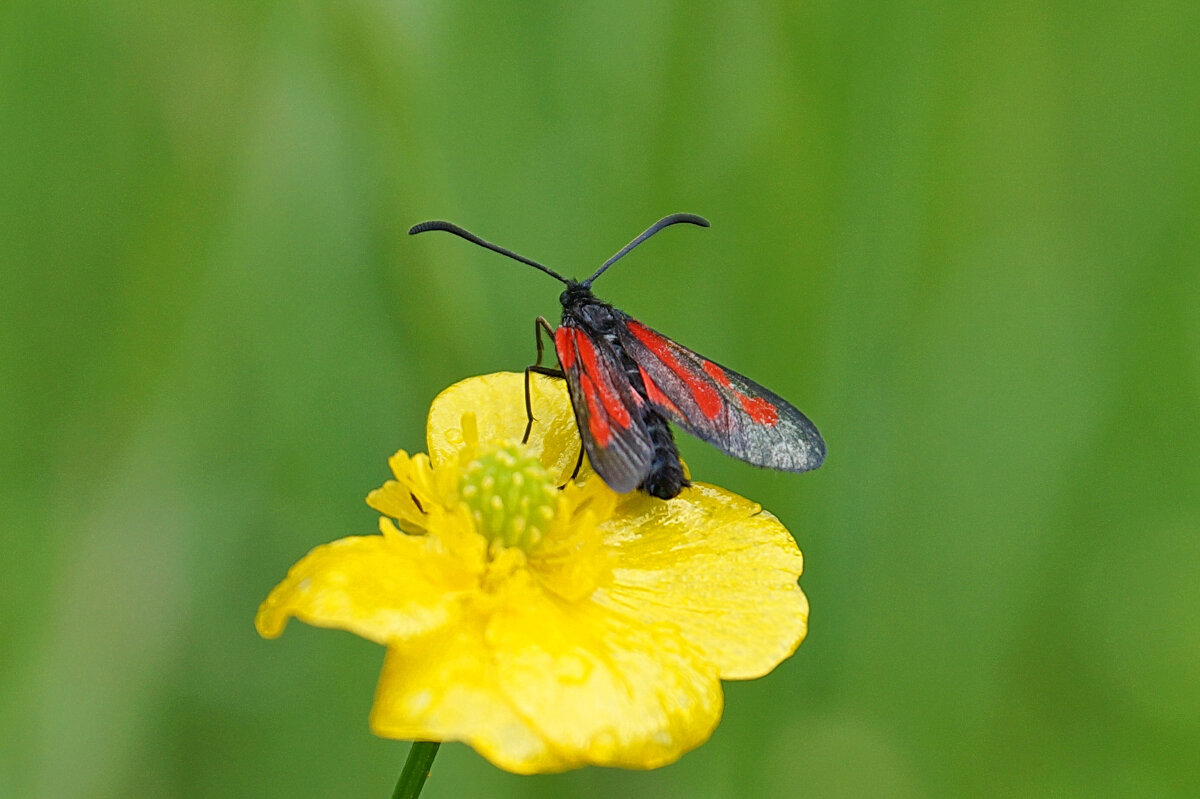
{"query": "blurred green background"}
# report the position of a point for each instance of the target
(963, 237)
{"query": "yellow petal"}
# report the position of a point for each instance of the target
(498, 404)
(442, 687)
(603, 688)
(382, 587)
(547, 686)
(714, 566)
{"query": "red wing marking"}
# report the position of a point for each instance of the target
(600, 386)
(719, 405)
(759, 409)
(655, 393)
(716, 373)
(597, 424)
(564, 347)
(707, 398)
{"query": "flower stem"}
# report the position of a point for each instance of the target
(416, 769)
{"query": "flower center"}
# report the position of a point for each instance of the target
(510, 494)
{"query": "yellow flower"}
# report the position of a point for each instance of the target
(547, 628)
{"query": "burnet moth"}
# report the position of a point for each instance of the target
(626, 381)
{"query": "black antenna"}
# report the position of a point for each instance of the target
(450, 227)
(666, 221)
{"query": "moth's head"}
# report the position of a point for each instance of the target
(576, 294)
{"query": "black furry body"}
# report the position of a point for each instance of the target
(602, 322)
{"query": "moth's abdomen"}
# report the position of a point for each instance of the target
(665, 479)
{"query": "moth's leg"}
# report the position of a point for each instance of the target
(539, 370)
(539, 325)
(579, 462)
(578, 466)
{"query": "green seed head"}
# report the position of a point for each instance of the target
(510, 494)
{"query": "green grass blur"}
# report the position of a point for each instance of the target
(965, 238)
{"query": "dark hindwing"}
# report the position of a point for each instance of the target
(720, 406)
(607, 408)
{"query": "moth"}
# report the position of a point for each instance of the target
(627, 381)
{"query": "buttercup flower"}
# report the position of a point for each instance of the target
(549, 628)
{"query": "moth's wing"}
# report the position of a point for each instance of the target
(607, 408)
(720, 406)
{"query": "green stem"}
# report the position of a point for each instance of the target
(416, 769)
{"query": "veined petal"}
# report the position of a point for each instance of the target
(382, 587)
(605, 689)
(442, 687)
(538, 686)
(498, 404)
(714, 566)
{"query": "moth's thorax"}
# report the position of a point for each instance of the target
(581, 308)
